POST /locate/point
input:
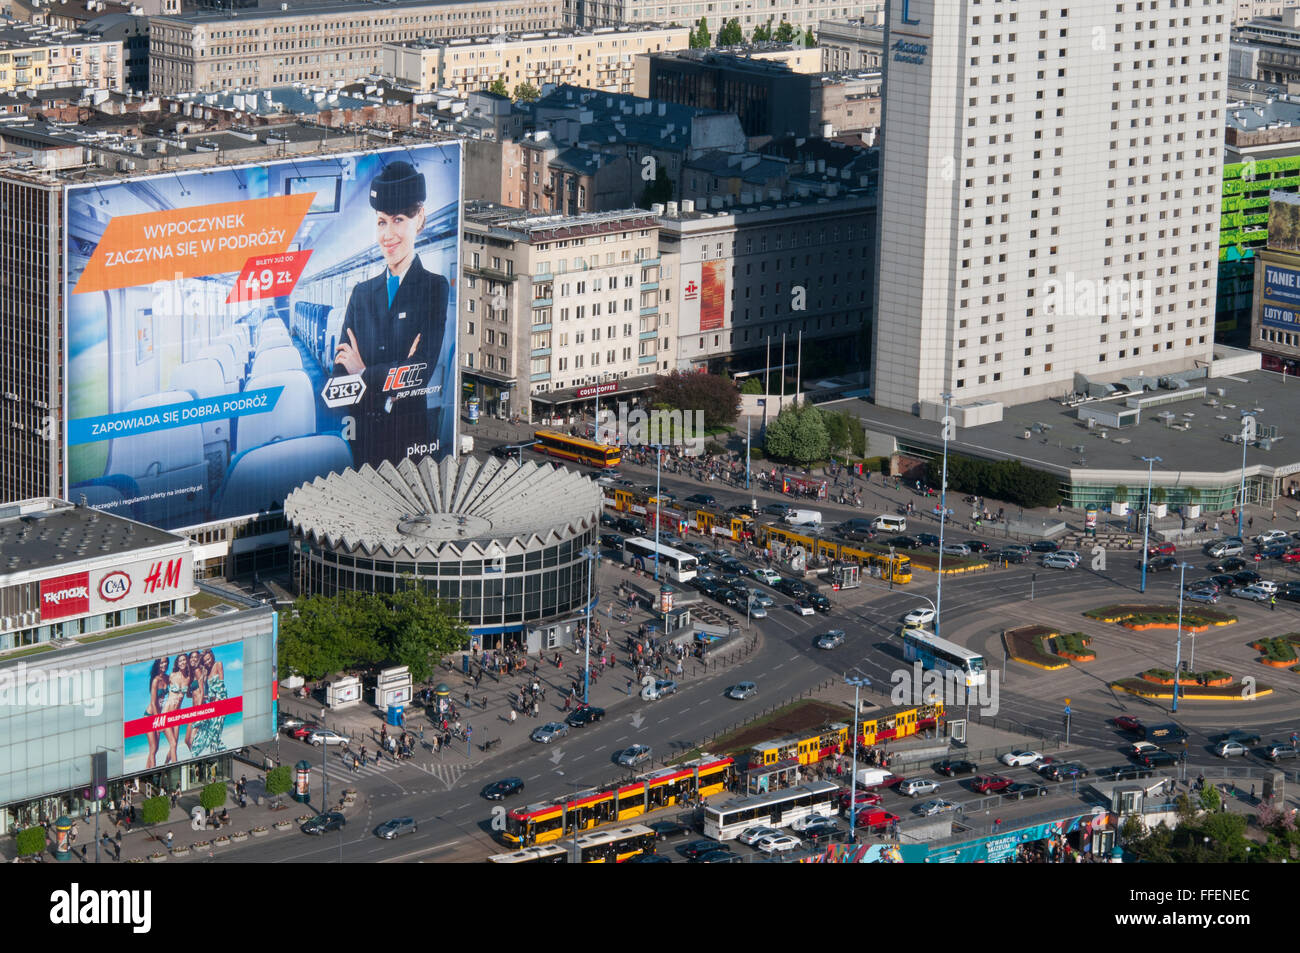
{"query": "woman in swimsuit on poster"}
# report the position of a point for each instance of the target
(208, 738)
(178, 684)
(195, 695)
(157, 698)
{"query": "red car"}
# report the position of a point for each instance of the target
(303, 731)
(864, 799)
(1163, 549)
(1291, 556)
(991, 783)
(1128, 723)
(873, 818)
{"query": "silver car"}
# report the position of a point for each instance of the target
(635, 755)
(831, 640)
(396, 828)
(742, 690)
(549, 732)
(937, 806)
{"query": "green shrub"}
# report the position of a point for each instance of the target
(1213, 675)
(1159, 673)
(1210, 799)
(715, 448)
(31, 840)
(279, 780)
(155, 810)
(755, 452)
(213, 795)
(1075, 642)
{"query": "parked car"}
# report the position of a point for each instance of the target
(777, 843)
(752, 835)
(500, 790)
(1023, 789)
(956, 549)
(1201, 595)
(928, 539)
(1254, 593)
(634, 755)
(916, 787)
(954, 766)
(666, 830)
(695, 849)
(548, 732)
(903, 542)
(1021, 757)
(991, 783)
(810, 820)
(390, 830)
(831, 640)
(1272, 536)
(323, 823)
(742, 690)
(585, 715)
(720, 856)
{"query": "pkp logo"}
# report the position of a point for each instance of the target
(114, 586)
(343, 391)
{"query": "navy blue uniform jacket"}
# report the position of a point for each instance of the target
(391, 426)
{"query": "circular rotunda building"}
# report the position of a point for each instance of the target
(511, 543)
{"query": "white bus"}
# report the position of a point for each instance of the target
(673, 563)
(944, 656)
(774, 809)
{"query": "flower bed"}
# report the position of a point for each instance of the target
(1074, 646)
(259, 831)
(1279, 652)
(1231, 691)
(1141, 617)
(1212, 679)
(1026, 644)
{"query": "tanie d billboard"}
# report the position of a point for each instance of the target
(237, 331)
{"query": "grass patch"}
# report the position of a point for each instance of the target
(1279, 649)
(1163, 615)
(129, 630)
(205, 601)
(32, 650)
(800, 716)
(1075, 642)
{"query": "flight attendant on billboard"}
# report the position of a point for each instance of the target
(393, 330)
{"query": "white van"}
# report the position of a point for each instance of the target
(890, 524)
(804, 517)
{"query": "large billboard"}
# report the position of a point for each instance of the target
(1283, 221)
(1280, 298)
(234, 332)
(180, 707)
(713, 294)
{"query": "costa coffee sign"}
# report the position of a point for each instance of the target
(114, 586)
(65, 596)
(597, 390)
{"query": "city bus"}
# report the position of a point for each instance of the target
(577, 449)
(933, 652)
(615, 845)
(545, 854)
(673, 563)
(774, 809)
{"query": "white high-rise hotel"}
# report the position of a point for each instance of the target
(1049, 198)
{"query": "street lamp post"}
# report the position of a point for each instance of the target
(1178, 656)
(1241, 505)
(857, 683)
(1146, 526)
(592, 555)
(943, 512)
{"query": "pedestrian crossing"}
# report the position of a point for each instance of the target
(443, 767)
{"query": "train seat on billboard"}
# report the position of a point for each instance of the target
(276, 359)
(232, 367)
(169, 462)
(242, 331)
(260, 479)
(269, 330)
(294, 414)
(205, 378)
(267, 342)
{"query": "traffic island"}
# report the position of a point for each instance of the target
(1211, 679)
(1279, 652)
(929, 562)
(1142, 617)
(1245, 690)
(1042, 647)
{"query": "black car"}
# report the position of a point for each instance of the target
(721, 856)
(1044, 546)
(612, 540)
(1247, 738)
(1161, 563)
(727, 597)
(666, 830)
(322, 823)
(820, 602)
(585, 715)
(1126, 772)
(1156, 759)
(627, 524)
(499, 790)
(1231, 564)
(698, 848)
(733, 565)
(647, 859)
(1274, 552)
(903, 542)
(704, 499)
(710, 589)
(792, 588)
(607, 520)
(1290, 595)
(978, 545)
(1064, 770)
(744, 509)
(1009, 556)
(1247, 577)
(955, 766)
(1021, 790)
(1224, 581)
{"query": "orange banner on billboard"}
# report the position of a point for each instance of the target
(191, 242)
(713, 296)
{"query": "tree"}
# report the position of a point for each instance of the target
(1121, 494)
(31, 840)
(699, 39)
(658, 191)
(154, 810)
(1008, 480)
(752, 385)
(784, 32)
(762, 32)
(717, 396)
(212, 796)
(845, 433)
(279, 780)
(499, 87)
(809, 40)
(1159, 494)
(527, 93)
(798, 434)
(1210, 799)
(731, 34)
